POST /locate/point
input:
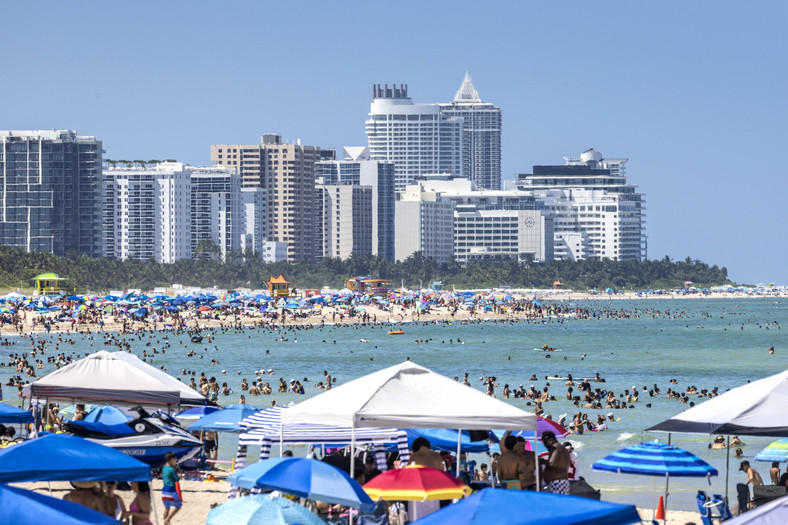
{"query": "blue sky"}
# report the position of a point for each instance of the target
(693, 93)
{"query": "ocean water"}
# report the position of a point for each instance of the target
(707, 343)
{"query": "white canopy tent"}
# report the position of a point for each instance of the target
(754, 409)
(105, 377)
(188, 396)
(408, 396)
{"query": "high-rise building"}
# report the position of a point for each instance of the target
(481, 135)
(216, 211)
(50, 192)
(346, 220)
(148, 212)
(417, 138)
(597, 214)
(485, 224)
(287, 173)
(358, 169)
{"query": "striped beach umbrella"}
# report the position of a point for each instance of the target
(656, 459)
(777, 451)
(416, 483)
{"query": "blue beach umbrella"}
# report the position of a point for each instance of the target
(225, 420)
(508, 506)
(108, 415)
(261, 509)
(656, 459)
(196, 412)
(303, 477)
(27, 506)
(777, 451)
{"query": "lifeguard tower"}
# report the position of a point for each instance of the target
(368, 285)
(48, 284)
(557, 285)
(278, 286)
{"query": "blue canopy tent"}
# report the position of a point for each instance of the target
(27, 506)
(9, 414)
(515, 507)
(225, 420)
(445, 439)
(60, 457)
(196, 412)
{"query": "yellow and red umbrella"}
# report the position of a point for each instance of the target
(416, 483)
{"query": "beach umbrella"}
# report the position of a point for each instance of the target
(772, 513)
(196, 412)
(523, 507)
(416, 483)
(777, 451)
(108, 415)
(656, 459)
(27, 506)
(303, 477)
(261, 509)
(61, 457)
(9, 414)
(543, 425)
(225, 420)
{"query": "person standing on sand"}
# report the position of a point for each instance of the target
(170, 495)
(422, 455)
(752, 475)
(139, 509)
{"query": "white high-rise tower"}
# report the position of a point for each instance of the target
(418, 138)
(481, 135)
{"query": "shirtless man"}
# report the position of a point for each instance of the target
(752, 474)
(422, 455)
(515, 471)
(556, 471)
(87, 494)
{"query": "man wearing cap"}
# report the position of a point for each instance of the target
(752, 474)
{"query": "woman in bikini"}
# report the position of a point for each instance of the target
(139, 510)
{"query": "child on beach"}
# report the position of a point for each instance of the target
(170, 495)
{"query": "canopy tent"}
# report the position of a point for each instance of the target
(110, 377)
(446, 440)
(27, 506)
(755, 409)
(60, 457)
(772, 513)
(188, 396)
(408, 396)
(9, 414)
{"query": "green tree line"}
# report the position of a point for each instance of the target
(84, 273)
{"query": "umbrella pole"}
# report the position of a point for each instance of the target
(352, 462)
(536, 462)
(459, 437)
(667, 481)
(727, 467)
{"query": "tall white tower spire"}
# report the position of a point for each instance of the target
(467, 92)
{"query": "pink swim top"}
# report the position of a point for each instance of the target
(136, 508)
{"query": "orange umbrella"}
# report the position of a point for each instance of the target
(416, 483)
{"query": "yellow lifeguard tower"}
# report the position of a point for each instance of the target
(278, 286)
(48, 284)
(557, 285)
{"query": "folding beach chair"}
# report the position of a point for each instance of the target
(704, 508)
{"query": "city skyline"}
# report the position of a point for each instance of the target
(690, 94)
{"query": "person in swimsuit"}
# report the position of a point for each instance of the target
(113, 502)
(139, 510)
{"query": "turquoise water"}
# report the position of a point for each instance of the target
(706, 343)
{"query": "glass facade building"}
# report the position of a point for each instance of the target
(50, 192)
